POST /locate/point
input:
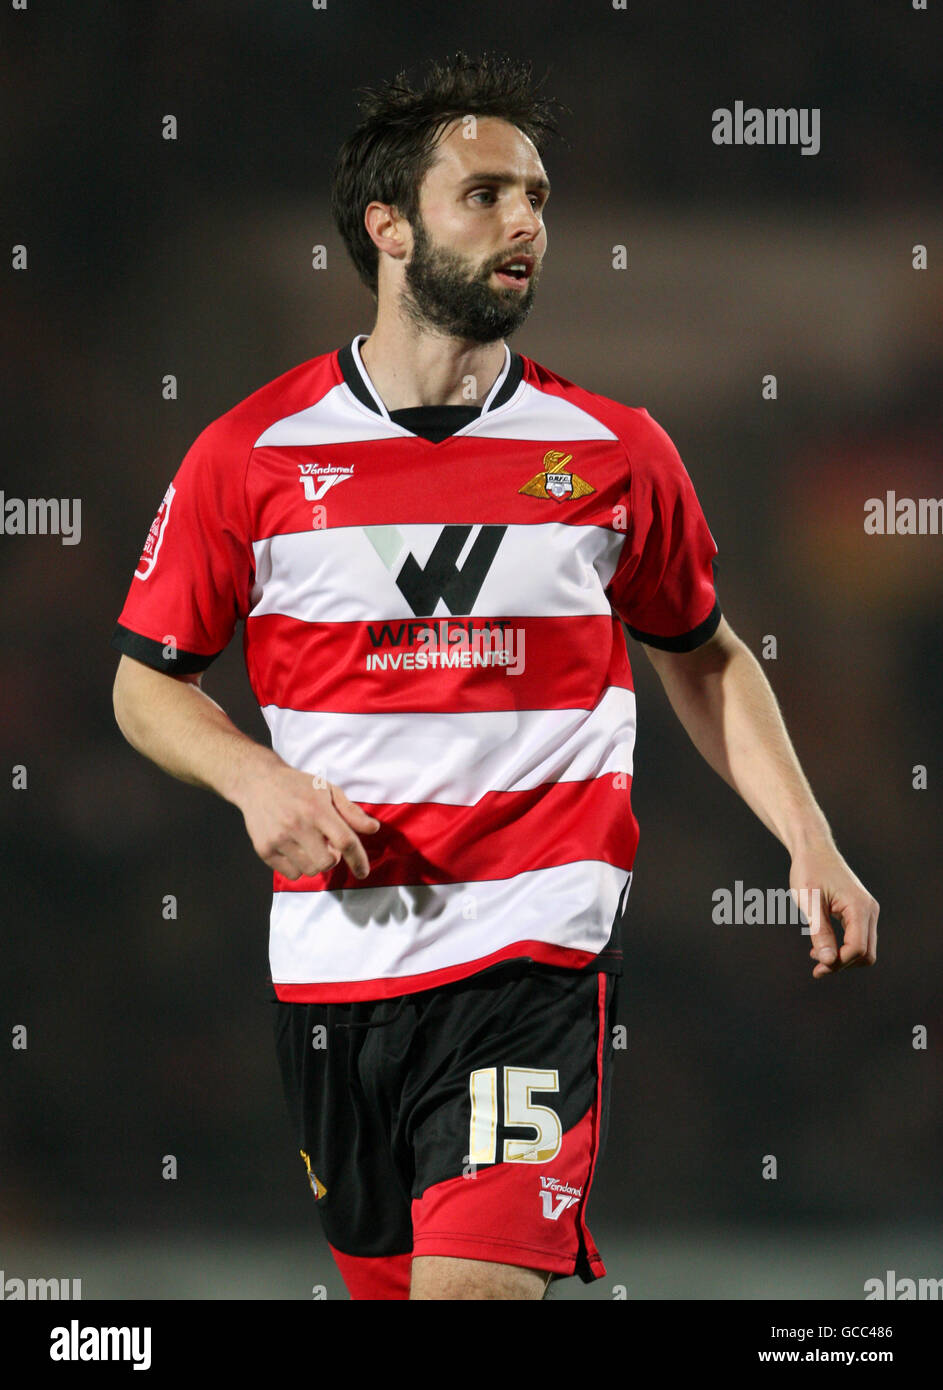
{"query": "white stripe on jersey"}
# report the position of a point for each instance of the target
(339, 418)
(457, 758)
(370, 933)
(546, 570)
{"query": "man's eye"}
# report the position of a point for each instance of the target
(535, 198)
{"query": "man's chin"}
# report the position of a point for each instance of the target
(490, 319)
(511, 310)
(494, 332)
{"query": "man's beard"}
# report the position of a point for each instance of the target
(442, 293)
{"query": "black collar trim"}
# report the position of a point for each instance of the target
(353, 374)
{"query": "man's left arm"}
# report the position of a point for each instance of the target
(724, 701)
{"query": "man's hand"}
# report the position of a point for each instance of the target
(826, 888)
(724, 700)
(299, 825)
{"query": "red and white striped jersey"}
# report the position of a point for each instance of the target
(433, 624)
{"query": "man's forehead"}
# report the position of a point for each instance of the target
(490, 140)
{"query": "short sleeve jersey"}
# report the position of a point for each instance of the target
(433, 603)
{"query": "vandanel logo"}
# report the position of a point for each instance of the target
(555, 481)
(557, 1196)
(316, 478)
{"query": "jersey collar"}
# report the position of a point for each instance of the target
(355, 375)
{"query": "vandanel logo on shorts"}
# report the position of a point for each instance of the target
(555, 481)
(317, 1187)
(557, 1196)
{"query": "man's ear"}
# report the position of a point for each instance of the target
(384, 223)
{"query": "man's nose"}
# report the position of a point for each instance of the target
(525, 217)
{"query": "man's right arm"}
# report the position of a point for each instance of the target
(297, 826)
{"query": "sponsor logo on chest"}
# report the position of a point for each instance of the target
(317, 478)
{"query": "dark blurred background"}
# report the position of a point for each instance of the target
(149, 1037)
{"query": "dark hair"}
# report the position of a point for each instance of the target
(387, 156)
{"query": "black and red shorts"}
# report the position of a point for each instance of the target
(464, 1121)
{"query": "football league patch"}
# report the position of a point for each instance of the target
(155, 535)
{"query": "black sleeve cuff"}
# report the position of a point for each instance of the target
(151, 653)
(687, 641)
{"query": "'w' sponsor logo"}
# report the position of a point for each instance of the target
(440, 578)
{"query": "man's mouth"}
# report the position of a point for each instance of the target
(516, 273)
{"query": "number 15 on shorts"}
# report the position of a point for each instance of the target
(518, 1085)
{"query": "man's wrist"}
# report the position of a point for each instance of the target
(252, 761)
(805, 830)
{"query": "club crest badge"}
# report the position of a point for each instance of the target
(317, 1187)
(555, 482)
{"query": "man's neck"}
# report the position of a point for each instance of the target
(412, 367)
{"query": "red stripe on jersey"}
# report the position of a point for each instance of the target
(352, 992)
(323, 666)
(454, 482)
(502, 835)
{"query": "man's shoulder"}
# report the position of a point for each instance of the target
(244, 424)
(631, 424)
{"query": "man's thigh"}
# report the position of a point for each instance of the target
(444, 1277)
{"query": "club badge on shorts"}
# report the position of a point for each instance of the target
(317, 1187)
